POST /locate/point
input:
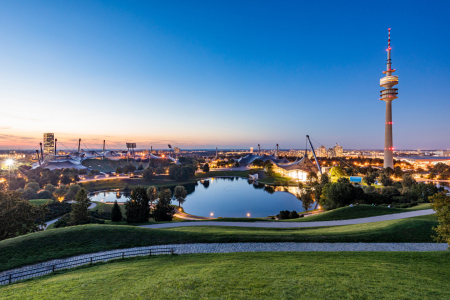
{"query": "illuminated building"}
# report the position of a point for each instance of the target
(176, 150)
(387, 95)
(49, 143)
(297, 170)
(338, 150)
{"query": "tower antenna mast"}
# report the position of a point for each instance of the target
(388, 95)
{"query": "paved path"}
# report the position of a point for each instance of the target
(53, 221)
(297, 224)
(239, 247)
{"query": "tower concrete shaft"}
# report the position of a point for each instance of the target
(388, 95)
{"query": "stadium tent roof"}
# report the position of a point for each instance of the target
(53, 162)
(248, 159)
(304, 165)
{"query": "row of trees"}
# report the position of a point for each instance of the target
(139, 208)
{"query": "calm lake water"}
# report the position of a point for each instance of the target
(227, 197)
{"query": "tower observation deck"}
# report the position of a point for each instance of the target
(388, 94)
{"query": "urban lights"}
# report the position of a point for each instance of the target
(9, 162)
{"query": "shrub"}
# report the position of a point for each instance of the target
(293, 215)
(284, 214)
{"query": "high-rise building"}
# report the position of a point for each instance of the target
(176, 150)
(387, 95)
(338, 150)
(251, 149)
(49, 143)
(321, 151)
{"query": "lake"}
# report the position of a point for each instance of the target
(227, 197)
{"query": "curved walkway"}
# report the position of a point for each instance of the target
(297, 224)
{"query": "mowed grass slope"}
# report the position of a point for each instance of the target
(291, 275)
(64, 242)
(358, 211)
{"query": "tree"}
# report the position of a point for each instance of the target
(269, 169)
(160, 170)
(339, 194)
(33, 185)
(72, 191)
(141, 167)
(80, 209)
(324, 179)
(407, 181)
(163, 210)
(148, 174)
(336, 172)
(44, 195)
(205, 168)
(370, 178)
(18, 216)
(385, 179)
(306, 196)
(152, 194)
(180, 194)
(137, 206)
(50, 187)
(398, 173)
(293, 215)
(119, 170)
(116, 213)
(312, 177)
(441, 204)
(66, 179)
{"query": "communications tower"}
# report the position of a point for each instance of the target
(387, 95)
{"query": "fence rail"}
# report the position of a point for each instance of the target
(44, 270)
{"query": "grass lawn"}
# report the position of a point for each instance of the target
(63, 242)
(37, 202)
(290, 275)
(356, 212)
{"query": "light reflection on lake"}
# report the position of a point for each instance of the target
(227, 197)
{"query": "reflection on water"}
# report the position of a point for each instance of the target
(227, 197)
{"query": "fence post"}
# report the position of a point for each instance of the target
(91, 260)
(123, 255)
(10, 277)
(53, 268)
(171, 250)
(150, 252)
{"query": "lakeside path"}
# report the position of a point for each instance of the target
(297, 224)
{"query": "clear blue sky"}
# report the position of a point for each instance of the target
(201, 74)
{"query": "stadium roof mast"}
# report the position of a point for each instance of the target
(388, 95)
(56, 140)
(314, 153)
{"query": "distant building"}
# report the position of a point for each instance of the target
(251, 149)
(338, 151)
(321, 152)
(176, 150)
(49, 143)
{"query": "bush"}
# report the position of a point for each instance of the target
(284, 214)
(293, 215)
(57, 209)
(65, 221)
(104, 215)
(44, 195)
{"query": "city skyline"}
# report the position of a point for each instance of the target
(200, 76)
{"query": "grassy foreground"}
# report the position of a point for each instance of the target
(293, 275)
(64, 242)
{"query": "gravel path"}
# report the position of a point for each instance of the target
(297, 224)
(45, 268)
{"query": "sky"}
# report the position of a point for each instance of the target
(227, 74)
